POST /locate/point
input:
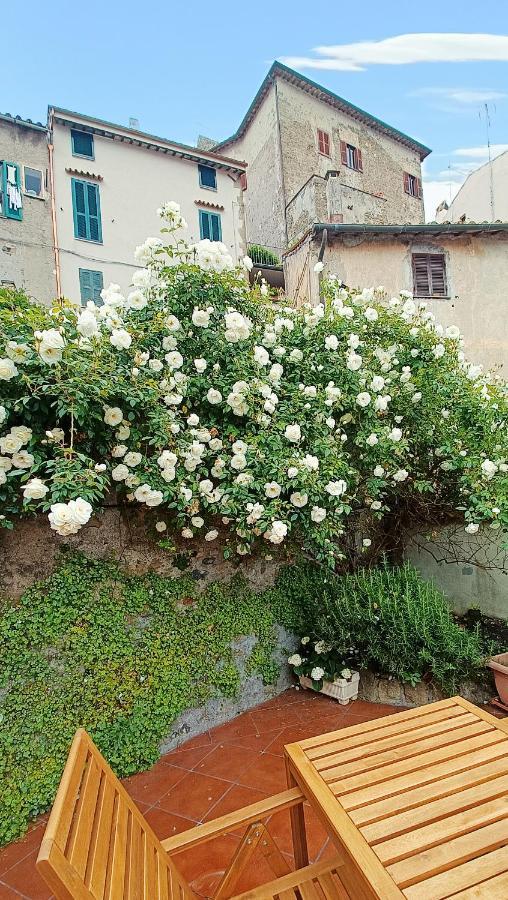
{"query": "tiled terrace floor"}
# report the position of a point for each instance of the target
(210, 775)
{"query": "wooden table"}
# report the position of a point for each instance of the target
(417, 802)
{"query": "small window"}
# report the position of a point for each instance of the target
(412, 185)
(208, 177)
(33, 181)
(351, 156)
(210, 226)
(90, 285)
(429, 275)
(82, 143)
(86, 208)
(323, 142)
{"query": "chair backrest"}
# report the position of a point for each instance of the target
(97, 844)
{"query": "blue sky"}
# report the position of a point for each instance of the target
(193, 67)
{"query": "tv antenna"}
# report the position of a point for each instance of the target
(486, 113)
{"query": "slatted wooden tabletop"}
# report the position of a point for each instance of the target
(417, 801)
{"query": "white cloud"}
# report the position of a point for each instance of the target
(405, 49)
(463, 96)
(481, 153)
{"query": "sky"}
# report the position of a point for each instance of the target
(192, 68)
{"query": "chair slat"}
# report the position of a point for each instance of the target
(99, 851)
(81, 829)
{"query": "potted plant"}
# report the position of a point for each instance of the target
(321, 668)
(499, 665)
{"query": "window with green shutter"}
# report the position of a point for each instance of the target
(82, 143)
(90, 285)
(86, 208)
(12, 198)
(210, 226)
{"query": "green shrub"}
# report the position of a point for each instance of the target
(390, 621)
(262, 256)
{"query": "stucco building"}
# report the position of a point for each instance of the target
(483, 197)
(313, 156)
(460, 270)
(109, 181)
(26, 236)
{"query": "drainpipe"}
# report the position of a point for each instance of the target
(53, 207)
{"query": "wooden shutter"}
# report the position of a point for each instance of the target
(406, 182)
(87, 210)
(343, 153)
(204, 225)
(359, 160)
(90, 285)
(429, 275)
(215, 227)
(437, 271)
(79, 209)
(94, 212)
(421, 275)
(419, 191)
(11, 188)
(323, 142)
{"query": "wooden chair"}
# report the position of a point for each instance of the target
(98, 846)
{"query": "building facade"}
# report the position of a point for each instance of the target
(314, 157)
(108, 183)
(461, 271)
(26, 233)
(483, 197)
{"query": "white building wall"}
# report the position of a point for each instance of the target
(474, 198)
(135, 182)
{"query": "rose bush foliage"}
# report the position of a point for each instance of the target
(199, 396)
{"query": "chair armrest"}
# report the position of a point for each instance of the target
(244, 816)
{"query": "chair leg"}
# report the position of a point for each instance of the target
(256, 836)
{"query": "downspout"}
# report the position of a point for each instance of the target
(281, 158)
(53, 206)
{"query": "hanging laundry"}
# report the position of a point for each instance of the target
(11, 174)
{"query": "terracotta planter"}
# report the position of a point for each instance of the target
(499, 665)
(341, 690)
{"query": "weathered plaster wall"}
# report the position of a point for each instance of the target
(384, 159)
(264, 197)
(30, 551)
(477, 274)
(26, 246)
(474, 198)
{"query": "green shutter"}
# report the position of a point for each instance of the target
(11, 190)
(86, 210)
(90, 285)
(210, 226)
(204, 225)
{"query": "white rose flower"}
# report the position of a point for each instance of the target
(452, 332)
(136, 300)
(277, 532)
(363, 399)
(10, 443)
(172, 324)
(298, 499)
(86, 324)
(49, 355)
(22, 432)
(489, 468)
(52, 338)
(132, 458)
(119, 451)
(336, 488)
(372, 440)
(379, 471)
(318, 514)
(331, 342)
(371, 314)
(310, 462)
(381, 403)
(200, 365)
(261, 356)
(211, 535)
(366, 542)
(200, 318)
(296, 355)
(275, 373)
(247, 263)
(113, 415)
(35, 489)
(120, 473)
(5, 464)
(439, 351)
(272, 489)
(174, 359)
(400, 475)
(22, 460)
(354, 361)
(319, 267)
(395, 434)
(160, 527)
(197, 521)
(187, 533)
(205, 486)
(472, 528)
(293, 433)
(155, 365)
(292, 472)
(121, 339)
(3, 414)
(213, 396)
(377, 383)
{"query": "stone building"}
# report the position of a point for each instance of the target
(26, 234)
(460, 270)
(314, 157)
(483, 197)
(109, 181)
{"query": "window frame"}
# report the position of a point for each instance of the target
(15, 214)
(207, 187)
(413, 186)
(91, 272)
(78, 237)
(438, 254)
(88, 134)
(323, 140)
(42, 195)
(206, 214)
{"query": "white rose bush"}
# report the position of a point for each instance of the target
(232, 415)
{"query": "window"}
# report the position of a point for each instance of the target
(412, 185)
(210, 226)
(207, 177)
(82, 143)
(33, 181)
(351, 156)
(86, 210)
(323, 142)
(429, 275)
(90, 285)
(11, 200)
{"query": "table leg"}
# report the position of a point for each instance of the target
(300, 850)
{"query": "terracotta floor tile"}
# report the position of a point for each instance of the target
(7, 893)
(253, 742)
(270, 719)
(150, 786)
(227, 761)
(194, 795)
(239, 727)
(166, 824)
(201, 740)
(363, 707)
(187, 759)
(24, 877)
(268, 774)
(205, 864)
(279, 826)
(237, 797)
(291, 734)
(13, 853)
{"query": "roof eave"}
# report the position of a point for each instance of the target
(430, 228)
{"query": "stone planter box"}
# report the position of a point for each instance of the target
(341, 689)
